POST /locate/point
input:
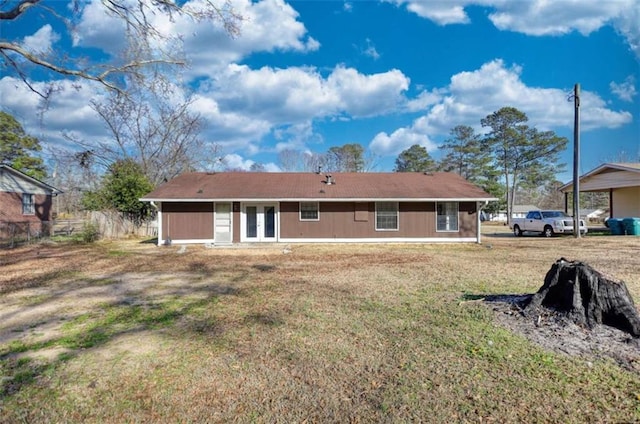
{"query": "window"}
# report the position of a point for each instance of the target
(309, 211)
(28, 205)
(386, 216)
(447, 216)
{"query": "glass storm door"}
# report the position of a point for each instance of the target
(260, 223)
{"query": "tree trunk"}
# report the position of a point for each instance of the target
(587, 296)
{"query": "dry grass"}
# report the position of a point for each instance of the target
(128, 331)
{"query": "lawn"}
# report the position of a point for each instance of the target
(130, 332)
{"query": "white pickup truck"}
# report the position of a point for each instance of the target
(546, 223)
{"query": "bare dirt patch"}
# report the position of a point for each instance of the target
(555, 332)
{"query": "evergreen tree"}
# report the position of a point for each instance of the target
(17, 149)
(519, 150)
(468, 156)
(122, 186)
(415, 159)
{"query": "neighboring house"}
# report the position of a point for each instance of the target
(620, 180)
(237, 207)
(24, 199)
(519, 211)
(594, 215)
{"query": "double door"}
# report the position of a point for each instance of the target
(260, 222)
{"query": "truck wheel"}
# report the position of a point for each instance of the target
(516, 231)
(548, 231)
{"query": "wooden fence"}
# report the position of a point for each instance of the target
(113, 225)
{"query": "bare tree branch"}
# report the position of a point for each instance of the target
(18, 10)
(143, 37)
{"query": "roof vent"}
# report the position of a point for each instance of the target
(329, 180)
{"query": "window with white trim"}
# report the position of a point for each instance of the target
(447, 216)
(387, 216)
(309, 211)
(28, 204)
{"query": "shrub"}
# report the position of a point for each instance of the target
(89, 234)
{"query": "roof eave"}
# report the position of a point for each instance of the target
(32, 180)
(320, 199)
(620, 167)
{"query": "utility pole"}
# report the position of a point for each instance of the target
(576, 161)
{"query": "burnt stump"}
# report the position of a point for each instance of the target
(587, 297)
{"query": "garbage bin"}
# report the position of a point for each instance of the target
(616, 226)
(632, 226)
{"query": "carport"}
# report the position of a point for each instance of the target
(620, 180)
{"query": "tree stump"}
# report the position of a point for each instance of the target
(587, 297)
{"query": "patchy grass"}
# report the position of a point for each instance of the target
(121, 332)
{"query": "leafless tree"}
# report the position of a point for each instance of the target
(152, 46)
(291, 160)
(149, 126)
(74, 173)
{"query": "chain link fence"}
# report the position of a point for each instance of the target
(109, 225)
(14, 233)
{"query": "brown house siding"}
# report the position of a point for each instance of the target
(187, 221)
(346, 220)
(11, 208)
(236, 222)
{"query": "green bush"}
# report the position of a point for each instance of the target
(89, 234)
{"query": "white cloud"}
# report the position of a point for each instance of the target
(295, 136)
(240, 107)
(540, 17)
(296, 95)
(228, 129)
(67, 111)
(244, 105)
(627, 23)
(266, 26)
(442, 12)
(42, 41)
(424, 100)
(235, 161)
(401, 139)
(371, 51)
(96, 28)
(626, 90)
(473, 95)
(367, 95)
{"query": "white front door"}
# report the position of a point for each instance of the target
(223, 223)
(259, 222)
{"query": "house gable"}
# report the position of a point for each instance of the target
(23, 198)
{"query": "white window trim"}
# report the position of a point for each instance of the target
(33, 204)
(306, 219)
(457, 219)
(397, 218)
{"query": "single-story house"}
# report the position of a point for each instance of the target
(620, 180)
(23, 199)
(238, 207)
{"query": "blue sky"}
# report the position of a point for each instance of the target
(309, 75)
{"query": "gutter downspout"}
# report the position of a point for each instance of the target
(480, 207)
